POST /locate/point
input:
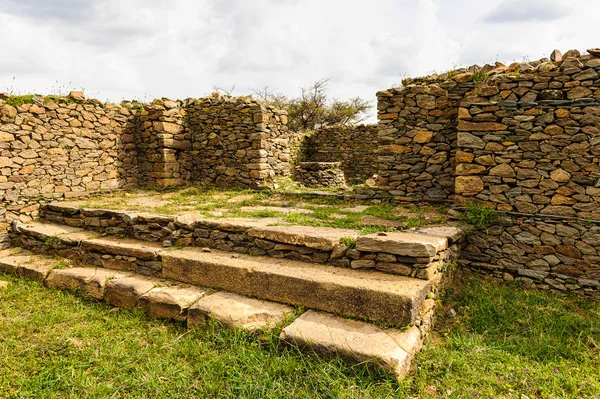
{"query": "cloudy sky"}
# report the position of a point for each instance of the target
(143, 49)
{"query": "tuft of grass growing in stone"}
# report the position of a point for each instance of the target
(479, 215)
(349, 242)
(60, 265)
(17, 101)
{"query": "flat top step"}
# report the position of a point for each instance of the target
(403, 243)
(127, 247)
(231, 224)
(322, 238)
(43, 230)
(355, 340)
(371, 280)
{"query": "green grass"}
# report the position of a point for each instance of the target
(479, 215)
(504, 343)
(17, 101)
(326, 211)
(479, 77)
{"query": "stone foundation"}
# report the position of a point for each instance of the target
(355, 147)
(256, 237)
(320, 174)
(549, 253)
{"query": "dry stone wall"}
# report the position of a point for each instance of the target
(242, 141)
(62, 148)
(523, 139)
(562, 254)
(529, 145)
(355, 147)
(417, 139)
(55, 148)
(320, 174)
(222, 140)
(531, 158)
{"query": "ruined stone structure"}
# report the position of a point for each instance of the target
(320, 174)
(355, 147)
(523, 139)
(60, 150)
(53, 148)
(219, 140)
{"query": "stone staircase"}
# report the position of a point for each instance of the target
(248, 273)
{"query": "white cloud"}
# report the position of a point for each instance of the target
(183, 48)
(527, 11)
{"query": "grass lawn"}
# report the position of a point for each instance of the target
(503, 343)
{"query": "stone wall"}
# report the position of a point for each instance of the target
(54, 148)
(355, 147)
(417, 139)
(62, 148)
(523, 139)
(531, 158)
(163, 145)
(222, 140)
(562, 254)
(530, 147)
(418, 122)
(320, 174)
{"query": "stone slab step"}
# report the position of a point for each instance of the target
(237, 311)
(321, 238)
(329, 335)
(410, 244)
(126, 292)
(420, 253)
(234, 225)
(124, 247)
(454, 234)
(171, 302)
(90, 280)
(364, 294)
(32, 267)
(48, 232)
(43, 231)
(325, 334)
(157, 297)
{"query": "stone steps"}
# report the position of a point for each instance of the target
(159, 298)
(323, 333)
(362, 294)
(425, 251)
(365, 294)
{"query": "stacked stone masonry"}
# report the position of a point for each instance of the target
(227, 141)
(355, 147)
(531, 158)
(259, 238)
(320, 174)
(523, 139)
(56, 148)
(558, 254)
(417, 140)
(52, 149)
